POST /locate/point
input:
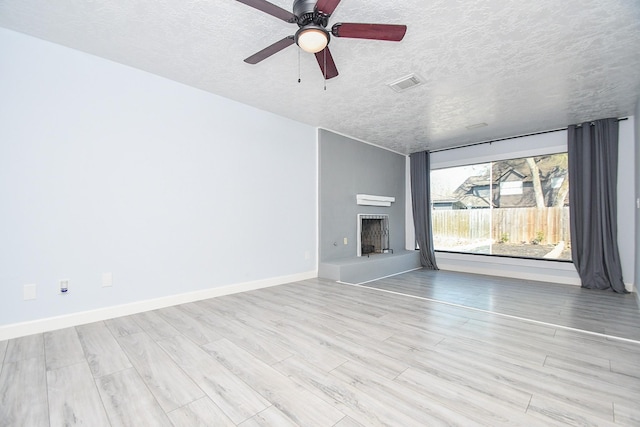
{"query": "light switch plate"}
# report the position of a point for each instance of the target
(107, 280)
(29, 292)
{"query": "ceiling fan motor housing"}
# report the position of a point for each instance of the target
(307, 14)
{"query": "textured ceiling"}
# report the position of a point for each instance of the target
(518, 66)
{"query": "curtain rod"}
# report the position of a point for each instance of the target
(506, 139)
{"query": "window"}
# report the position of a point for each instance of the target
(511, 188)
(516, 207)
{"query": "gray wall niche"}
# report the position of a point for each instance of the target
(349, 167)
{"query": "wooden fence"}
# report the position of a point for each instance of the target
(514, 225)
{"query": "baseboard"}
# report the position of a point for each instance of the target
(80, 318)
(630, 287)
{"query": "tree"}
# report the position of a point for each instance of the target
(563, 190)
(561, 195)
(535, 178)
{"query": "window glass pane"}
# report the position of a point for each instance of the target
(461, 197)
(516, 207)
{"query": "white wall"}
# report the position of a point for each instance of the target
(549, 271)
(637, 197)
(105, 168)
(626, 201)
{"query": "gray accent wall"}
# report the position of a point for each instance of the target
(348, 167)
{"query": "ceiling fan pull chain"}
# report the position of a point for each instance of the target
(325, 68)
(299, 66)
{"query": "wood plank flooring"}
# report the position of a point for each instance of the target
(422, 348)
(598, 311)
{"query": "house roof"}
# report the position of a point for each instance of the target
(519, 67)
(474, 191)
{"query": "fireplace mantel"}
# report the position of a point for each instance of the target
(370, 200)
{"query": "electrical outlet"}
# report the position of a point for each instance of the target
(64, 286)
(346, 242)
(107, 280)
(29, 292)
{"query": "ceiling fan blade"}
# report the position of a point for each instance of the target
(271, 9)
(327, 6)
(324, 57)
(388, 32)
(270, 50)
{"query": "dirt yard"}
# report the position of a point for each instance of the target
(528, 250)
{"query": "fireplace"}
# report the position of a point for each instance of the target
(373, 234)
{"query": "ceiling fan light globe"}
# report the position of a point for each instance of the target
(312, 40)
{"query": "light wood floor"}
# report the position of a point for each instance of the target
(596, 311)
(328, 354)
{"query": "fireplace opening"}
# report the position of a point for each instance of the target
(373, 234)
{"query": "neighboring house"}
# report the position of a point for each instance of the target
(512, 186)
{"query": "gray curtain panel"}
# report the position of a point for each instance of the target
(421, 204)
(593, 171)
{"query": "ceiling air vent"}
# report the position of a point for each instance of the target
(406, 82)
(476, 126)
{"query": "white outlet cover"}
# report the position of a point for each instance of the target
(29, 292)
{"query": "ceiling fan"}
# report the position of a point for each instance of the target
(312, 17)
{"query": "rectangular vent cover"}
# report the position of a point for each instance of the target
(406, 82)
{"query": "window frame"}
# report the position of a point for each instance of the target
(552, 142)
